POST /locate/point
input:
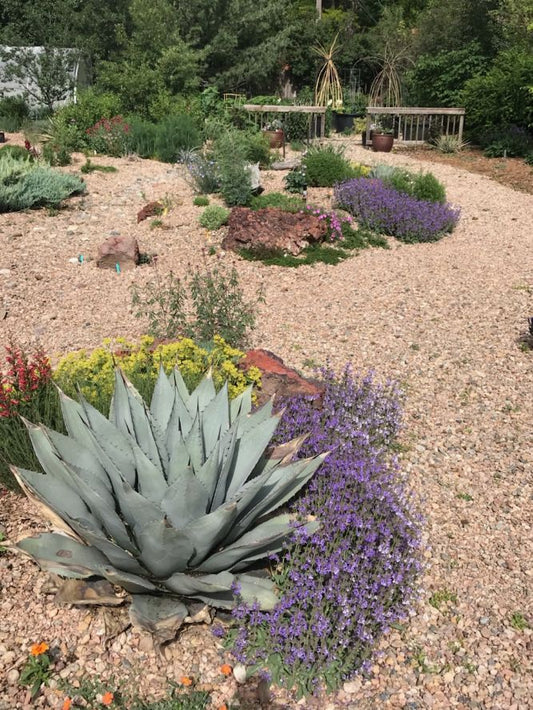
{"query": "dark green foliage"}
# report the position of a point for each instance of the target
(90, 107)
(506, 141)
(422, 186)
(173, 135)
(438, 79)
(501, 96)
(231, 157)
(325, 166)
(13, 112)
(257, 148)
(277, 199)
(90, 167)
(17, 152)
(56, 154)
(142, 137)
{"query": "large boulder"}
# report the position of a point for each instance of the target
(272, 229)
(121, 250)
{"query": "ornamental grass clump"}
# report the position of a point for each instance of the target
(385, 210)
(344, 585)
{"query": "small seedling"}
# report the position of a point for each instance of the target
(465, 496)
(156, 223)
(442, 596)
(518, 621)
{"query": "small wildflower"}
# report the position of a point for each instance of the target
(67, 704)
(226, 669)
(186, 680)
(107, 698)
(38, 649)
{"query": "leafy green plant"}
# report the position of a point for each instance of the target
(201, 201)
(174, 134)
(209, 303)
(422, 186)
(24, 185)
(518, 621)
(16, 152)
(214, 216)
(56, 154)
(296, 180)
(449, 144)
(36, 670)
(14, 111)
(326, 165)
(231, 157)
(442, 596)
(174, 507)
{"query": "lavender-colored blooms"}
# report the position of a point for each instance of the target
(355, 576)
(383, 209)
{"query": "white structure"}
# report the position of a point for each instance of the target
(15, 80)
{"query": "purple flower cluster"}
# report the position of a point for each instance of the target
(335, 224)
(343, 587)
(383, 209)
(204, 173)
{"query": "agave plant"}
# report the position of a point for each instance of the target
(172, 502)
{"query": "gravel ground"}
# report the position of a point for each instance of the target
(444, 319)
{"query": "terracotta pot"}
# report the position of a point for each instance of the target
(275, 138)
(382, 142)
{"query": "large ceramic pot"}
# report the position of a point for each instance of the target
(275, 138)
(382, 142)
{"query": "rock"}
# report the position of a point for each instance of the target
(152, 209)
(120, 250)
(288, 164)
(272, 229)
(239, 673)
(12, 676)
(279, 380)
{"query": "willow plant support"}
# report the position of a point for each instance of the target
(328, 84)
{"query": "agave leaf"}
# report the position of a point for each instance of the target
(195, 445)
(137, 510)
(151, 482)
(87, 593)
(216, 414)
(228, 446)
(202, 395)
(186, 499)
(160, 616)
(209, 531)
(265, 539)
(285, 453)
(249, 451)
(120, 411)
(257, 418)
(132, 583)
(256, 589)
(179, 459)
(143, 425)
(162, 399)
(210, 474)
(187, 585)
(118, 556)
(180, 421)
(164, 549)
(178, 383)
(241, 404)
(60, 554)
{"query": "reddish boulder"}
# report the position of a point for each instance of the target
(278, 379)
(152, 209)
(272, 229)
(121, 250)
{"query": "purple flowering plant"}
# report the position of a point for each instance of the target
(203, 171)
(345, 585)
(337, 227)
(381, 208)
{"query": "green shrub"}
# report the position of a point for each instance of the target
(296, 180)
(276, 199)
(91, 106)
(201, 201)
(24, 184)
(326, 165)
(200, 307)
(92, 373)
(14, 111)
(56, 154)
(17, 152)
(507, 141)
(257, 148)
(230, 151)
(142, 137)
(213, 217)
(422, 186)
(175, 134)
(427, 187)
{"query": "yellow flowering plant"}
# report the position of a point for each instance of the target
(92, 373)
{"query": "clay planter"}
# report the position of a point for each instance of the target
(382, 142)
(275, 138)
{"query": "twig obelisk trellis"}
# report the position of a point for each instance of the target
(328, 84)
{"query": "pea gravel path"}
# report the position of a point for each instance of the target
(443, 319)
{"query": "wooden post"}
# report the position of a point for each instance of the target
(461, 123)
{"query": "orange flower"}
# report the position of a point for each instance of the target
(107, 698)
(67, 704)
(226, 669)
(223, 707)
(185, 680)
(38, 649)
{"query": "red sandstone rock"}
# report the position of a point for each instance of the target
(272, 229)
(121, 250)
(278, 379)
(150, 210)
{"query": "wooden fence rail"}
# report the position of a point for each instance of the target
(415, 125)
